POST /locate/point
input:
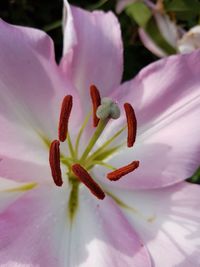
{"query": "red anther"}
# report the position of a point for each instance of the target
(54, 160)
(96, 101)
(64, 117)
(131, 123)
(117, 174)
(87, 180)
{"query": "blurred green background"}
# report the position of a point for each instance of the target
(46, 15)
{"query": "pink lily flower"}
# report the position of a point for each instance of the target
(182, 41)
(149, 216)
(169, 31)
(177, 37)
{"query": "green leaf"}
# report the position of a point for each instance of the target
(196, 177)
(96, 5)
(182, 6)
(53, 26)
(139, 12)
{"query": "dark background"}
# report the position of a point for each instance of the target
(46, 15)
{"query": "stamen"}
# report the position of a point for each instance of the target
(64, 117)
(96, 101)
(87, 180)
(131, 123)
(54, 160)
(117, 174)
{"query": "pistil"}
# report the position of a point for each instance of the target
(101, 126)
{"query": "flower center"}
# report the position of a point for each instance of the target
(79, 166)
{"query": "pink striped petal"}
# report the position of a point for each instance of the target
(167, 220)
(101, 236)
(31, 92)
(25, 171)
(32, 229)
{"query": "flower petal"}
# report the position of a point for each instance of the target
(35, 231)
(167, 221)
(162, 86)
(22, 142)
(165, 96)
(92, 50)
(150, 44)
(31, 91)
(168, 30)
(11, 190)
(190, 41)
(25, 171)
(101, 236)
(32, 229)
(31, 86)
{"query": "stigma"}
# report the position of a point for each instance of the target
(79, 166)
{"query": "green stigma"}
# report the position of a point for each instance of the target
(108, 109)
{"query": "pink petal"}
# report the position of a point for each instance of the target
(168, 30)
(25, 171)
(31, 92)
(22, 142)
(36, 231)
(32, 229)
(168, 222)
(92, 50)
(162, 86)
(165, 96)
(29, 77)
(150, 44)
(10, 191)
(101, 236)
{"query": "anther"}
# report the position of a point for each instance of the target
(64, 117)
(131, 123)
(54, 160)
(87, 180)
(117, 174)
(96, 101)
